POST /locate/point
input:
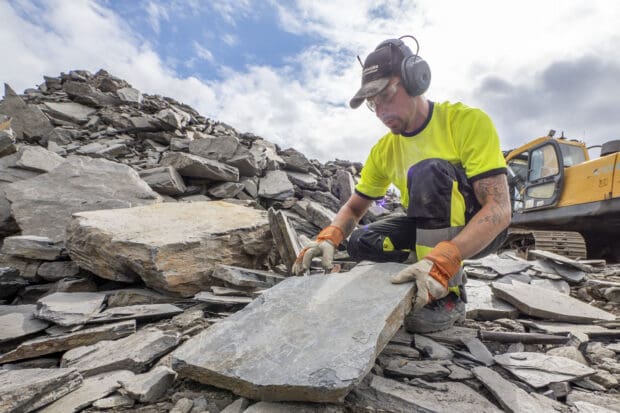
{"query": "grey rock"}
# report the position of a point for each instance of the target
(56, 270)
(68, 111)
(17, 321)
(53, 344)
(27, 121)
(11, 282)
(548, 304)
(150, 386)
(173, 118)
(264, 351)
(266, 153)
(343, 186)
(587, 407)
(226, 190)
(319, 215)
(569, 352)
(607, 401)
(86, 94)
(275, 185)
(502, 266)
(135, 352)
(164, 180)
(69, 309)
(479, 351)
(431, 349)
(219, 148)
(393, 396)
(38, 159)
(296, 161)
(324, 198)
(26, 390)
(7, 142)
(129, 95)
(483, 305)
(136, 312)
(593, 331)
(197, 167)
(116, 401)
(538, 370)
(454, 335)
(238, 406)
(248, 163)
(207, 297)
(560, 286)
(10, 172)
(33, 247)
(183, 405)
(172, 247)
(422, 369)
(512, 398)
(92, 389)
(243, 277)
(285, 237)
(302, 180)
(272, 407)
(43, 205)
(134, 296)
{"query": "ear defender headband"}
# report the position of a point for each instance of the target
(414, 71)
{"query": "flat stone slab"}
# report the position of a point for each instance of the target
(93, 388)
(149, 386)
(26, 390)
(33, 247)
(43, 205)
(274, 349)
(53, 344)
(484, 306)
(512, 398)
(173, 247)
(422, 369)
(198, 167)
(592, 330)
(272, 407)
(502, 266)
(136, 312)
(393, 396)
(543, 303)
(207, 297)
(17, 321)
(69, 309)
(243, 277)
(538, 370)
(69, 111)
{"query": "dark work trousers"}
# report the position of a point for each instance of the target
(441, 202)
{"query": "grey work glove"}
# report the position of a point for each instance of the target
(324, 249)
(428, 288)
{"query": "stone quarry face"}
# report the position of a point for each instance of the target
(277, 347)
(171, 247)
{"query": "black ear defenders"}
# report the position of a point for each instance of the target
(414, 71)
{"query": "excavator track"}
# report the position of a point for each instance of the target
(568, 243)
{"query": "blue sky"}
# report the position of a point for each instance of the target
(285, 70)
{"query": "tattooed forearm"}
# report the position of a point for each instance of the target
(348, 226)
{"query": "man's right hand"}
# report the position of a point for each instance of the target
(324, 246)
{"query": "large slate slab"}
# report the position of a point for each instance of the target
(26, 390)
(135, 352)
(543, 303)
(43, 205)
(69, 111)
(538, 370)
(198, 167)
(592, 330)
(381, 394)
(276, 348)
(512, 398)
(18, 321)
(172, 247)
(69, 309)
(275, 185)
(53, 344)
(92, 389)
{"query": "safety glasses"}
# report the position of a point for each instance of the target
(384, 97)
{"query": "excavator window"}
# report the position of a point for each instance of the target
(572, 155)
(544, 163)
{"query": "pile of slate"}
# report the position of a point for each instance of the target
(145, 266)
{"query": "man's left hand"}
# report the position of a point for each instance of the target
(432, 273)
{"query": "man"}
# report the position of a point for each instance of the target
(446, 161)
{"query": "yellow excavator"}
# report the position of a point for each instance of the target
(563, 201)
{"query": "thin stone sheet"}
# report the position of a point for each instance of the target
(306, 339)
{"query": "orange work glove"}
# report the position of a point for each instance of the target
(324, 246)
(432, 273)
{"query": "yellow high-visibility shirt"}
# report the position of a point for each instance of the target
(459, 134)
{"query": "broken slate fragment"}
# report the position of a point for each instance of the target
(512, 398)
(484, 306)
(69, 309)
(150, 386)
(26, 390)
(538, 370)
(432, 349)
(68, 111)
(207, 297)
(382, 394)
(502, 266)
(198, 167)
(38, 159)
(135, 352)
(271, 350)
(275, 185)
(551, 305)
(136, 312)
(18, 321)
(479, 351)
(33, 247)
(53, 344)
(92, 389)
(422, 369)
(244, 277)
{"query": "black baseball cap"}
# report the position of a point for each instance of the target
(379, 67)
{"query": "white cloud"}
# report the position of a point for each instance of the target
(466, 43)
(156, 14)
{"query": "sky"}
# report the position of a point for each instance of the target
(286, 70)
